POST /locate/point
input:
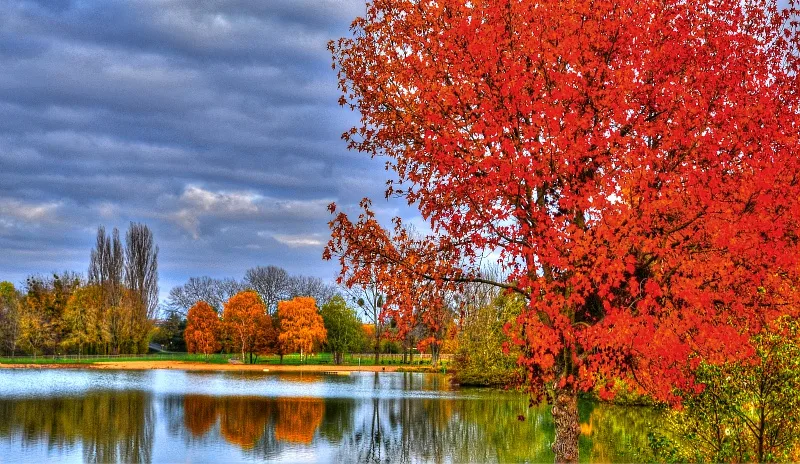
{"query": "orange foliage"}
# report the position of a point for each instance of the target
(202, 328)
(243, 420)
(369, 331)
(266, 336)
(298, 419)
(199, 413)
(247, 323)
(301, 324)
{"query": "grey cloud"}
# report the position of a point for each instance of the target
(214, 122)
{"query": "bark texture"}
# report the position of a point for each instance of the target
(565, 417)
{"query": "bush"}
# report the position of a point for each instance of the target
(748, 412)
(480, 359)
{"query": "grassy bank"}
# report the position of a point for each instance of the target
(320, 359)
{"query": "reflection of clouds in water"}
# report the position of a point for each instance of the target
(146, 424)
(358, 385)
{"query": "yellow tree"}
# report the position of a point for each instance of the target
(82, 317)
(202, 327)
(300, 324)
(244, 314)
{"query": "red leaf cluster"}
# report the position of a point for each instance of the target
(634, 165)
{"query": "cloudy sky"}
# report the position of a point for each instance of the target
(214, 122)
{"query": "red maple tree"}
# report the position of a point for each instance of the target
(634, 164)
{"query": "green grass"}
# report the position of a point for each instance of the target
(90, 359)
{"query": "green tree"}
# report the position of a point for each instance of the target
(481, 359)
(343, 326)
(9, 317)
(170, 332)
(746, 412)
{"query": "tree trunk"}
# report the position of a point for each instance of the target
(565, 417)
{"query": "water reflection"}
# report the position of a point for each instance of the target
(304, 377)
(433, 430)
(243, 420)
(110, 426)
(357, 418)
(199, 413)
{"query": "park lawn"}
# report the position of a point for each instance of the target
(217, 358)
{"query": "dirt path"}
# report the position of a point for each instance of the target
(198, 366)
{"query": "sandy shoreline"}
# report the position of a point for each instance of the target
(199, 366)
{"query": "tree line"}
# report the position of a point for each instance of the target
(298, 325)
(381, 330)
(110, 312)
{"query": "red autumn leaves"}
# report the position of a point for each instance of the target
(632, 166)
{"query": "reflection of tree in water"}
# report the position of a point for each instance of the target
(337, 420)
(422, 425)
(298, 419)
(251, 421)
(615, 433)
(483, 429)
(112, 426)
(303, 377)
(199, 413)
(243, 419)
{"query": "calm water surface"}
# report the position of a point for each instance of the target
(176, 416)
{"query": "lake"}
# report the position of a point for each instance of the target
(170, 416)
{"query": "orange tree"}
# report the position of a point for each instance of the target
(301, 325)
(266, 336)
(246, 322)
(633, 163)
(202, 329)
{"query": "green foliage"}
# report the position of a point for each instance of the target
(7, 291)
(747, 412)
(169, 332)
(344, 328)
(9, 318)
(480, 359)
